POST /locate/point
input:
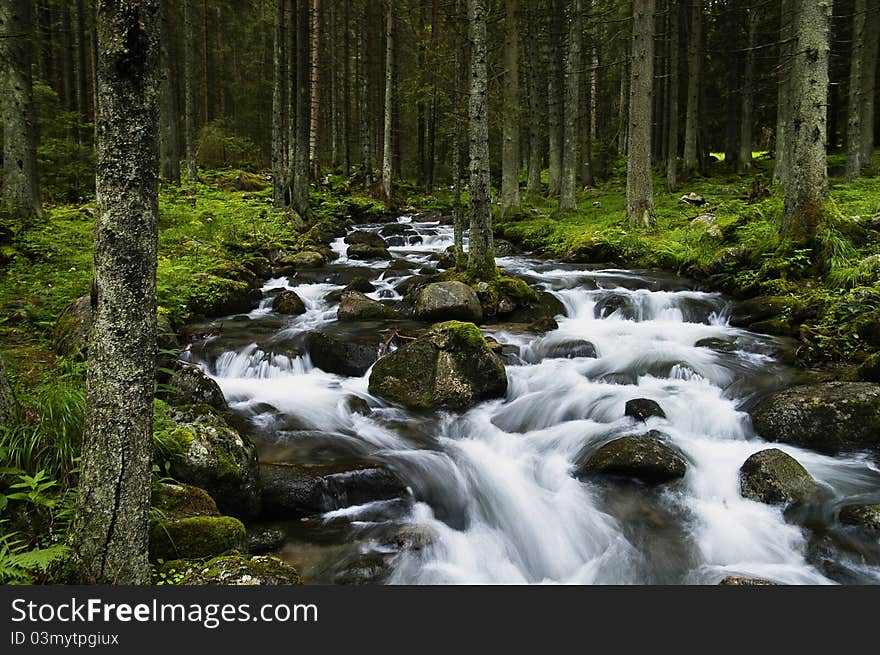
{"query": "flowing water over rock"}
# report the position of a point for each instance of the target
(494, 494)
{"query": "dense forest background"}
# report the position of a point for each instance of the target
(732, 141)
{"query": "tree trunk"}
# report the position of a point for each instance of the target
(623, 112)
(536, 114)
(334, 91)
(783, 95)
(568, 189)
(363, 104)
(189, 109)
(457, 135)
(554, 96)
(79, 69)
(695, 65)
(300, 187)
(169, 136)
(854, 107)
(510, 200)
(292, 86)
(346, 89)
(112, 518)
(869, 83)
(748, 93)
(278, 105)
(639, 186)
(21, 191)
(387, 166)
(807, 184)
(672, 117)
(315, 87)
(481, 257)
(67, 83)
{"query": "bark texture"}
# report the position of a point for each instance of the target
(300, 186)
(639, 185)
(748, 93)
(510, 199)
(672, 115)
(571, 130)
(114, 491)
(278, 105)
(169, 135)
(854, 106)
(869, 82)
(695, 66)
(387, 154)
(806, 186)
(783, 111)
(21, 193)
(481, 258)
(554, 96)
(189, 77)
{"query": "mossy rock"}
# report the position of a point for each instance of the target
(304, 259)
(763, 310)
(504, 295)
(182, 500)
(234, 271)
(355, 306)
(195, 537)
(863, 516)
(216, 458)
(828, 417)
(774, 477)
(190, 385)
(364, 251)
(289, 303)
(642, 457)
(233, 569)
(451, 365)
(363, 237)
(219, 296)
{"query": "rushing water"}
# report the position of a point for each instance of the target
(493, 494)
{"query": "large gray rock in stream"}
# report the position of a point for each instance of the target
(8, 403)
(355, 306)
(451, 365)
(191, 386)
(363, 237)
(828, 417)
(642, 457)
(447, 301)
(341, 357)
(774, 477)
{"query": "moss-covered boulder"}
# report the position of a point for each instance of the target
(363, 237)
(216, 458)
(546, 306)
(863, 516)
(191, 386)
(774, 477)
(641, 457)
(182, 500)
(297, 260)
(642, 409)
(504, 296)
(220, 296)
(445, 301)
(451, 365)
(341, 357)
(72, 328)
(232, 569)
(363, 251)
(355, 306)
(760, 310)
(8, 404)
(828, 417)
(195, 537)
(289, 303)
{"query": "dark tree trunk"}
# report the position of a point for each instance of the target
(169, 136)
(573, 64)
(278, 96)
(639, 185)
(110, 529)
(189, 77)
(300, 187)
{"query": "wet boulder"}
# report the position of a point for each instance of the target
(829, 417)
(355, 306)
(571, 350)
(646, 458)
(716, 344)
(445, 301)
(191, 386)
(214, 456)
(862, 516)
(8, 403)
(182, 500)
(298, 260)
(334, 355)
(262, 539)
(289, 303)
(642, 409)
(234, 569)
(759, 310)
(363, 237)
(195, 537)
(774, 477)
(451, 365)
(545, 306)
(291, 491)
(363, 251)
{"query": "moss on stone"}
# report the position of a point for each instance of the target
(181, 500)
(240, 570)
(195, 537)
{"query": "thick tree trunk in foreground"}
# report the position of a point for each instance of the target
(568, 188)
(806, 186)
(278, 106)
(639, 185)
(110, 530)
(695, 65)
(189, 109)
(481, 257)
(387, 163)
(854, 106)
(21, 193)
(510, 199)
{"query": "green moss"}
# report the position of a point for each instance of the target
(457, 335)
(195, 537)
(181, 500)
